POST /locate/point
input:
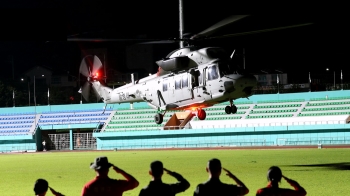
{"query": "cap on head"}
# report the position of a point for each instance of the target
(214, 165)
(156, 168)
(41, 186)
(100, 163)
(274, 174)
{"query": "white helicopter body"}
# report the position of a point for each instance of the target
(188, 79)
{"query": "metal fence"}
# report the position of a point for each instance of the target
(84, 141)
(80, 141)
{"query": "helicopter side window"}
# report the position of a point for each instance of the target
(213, 73)
(184, 81)
(225, 69)
(165, 86)
(178, 83)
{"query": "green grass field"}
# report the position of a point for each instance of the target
(67, 172)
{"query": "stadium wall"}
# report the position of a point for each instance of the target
(17, 143)
(214, 137)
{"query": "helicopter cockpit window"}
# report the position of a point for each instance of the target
(184, 81)
(165, 86)
(178, 83)
(225, 69)
(213, 73)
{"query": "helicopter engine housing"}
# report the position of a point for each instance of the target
(174, 64)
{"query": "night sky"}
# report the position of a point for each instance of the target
(297, 51)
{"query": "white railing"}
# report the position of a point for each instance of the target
(229, 124)
(313, 140)
(186, 143)
(65, 122)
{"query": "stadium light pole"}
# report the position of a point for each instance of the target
(334, 80)
(22, 80)
(327, 69)
(34, 93)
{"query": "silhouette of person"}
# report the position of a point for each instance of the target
(44, 145)
(78, 142)
(41, 186)
(213, 186)
(157, 188)
(274, 176)
(103, 185)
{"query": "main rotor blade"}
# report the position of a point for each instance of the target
(216, 26)
(107, 40)
(259, 31)
(97, 65)
(175, 41)
(85, 91)
(83, 69)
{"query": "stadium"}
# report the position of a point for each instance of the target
(305, 134)
(294, 119)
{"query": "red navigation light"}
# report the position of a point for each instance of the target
(96, 74)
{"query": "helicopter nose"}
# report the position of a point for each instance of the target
(250, 82)
(244, 82)
(251, 79)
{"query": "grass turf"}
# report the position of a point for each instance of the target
(320, 171)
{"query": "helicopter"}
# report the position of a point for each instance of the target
(189, 78)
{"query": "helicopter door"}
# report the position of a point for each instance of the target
(212, 79)
(168, 92)
(182, 89)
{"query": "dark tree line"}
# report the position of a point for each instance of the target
(24, 95)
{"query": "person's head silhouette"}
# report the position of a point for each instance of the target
(274, 174)
(101, 166)
(41, 186)
(214, 167)
(156, 169)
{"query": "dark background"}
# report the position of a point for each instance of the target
(39, 36)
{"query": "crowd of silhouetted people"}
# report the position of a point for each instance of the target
(102, 185)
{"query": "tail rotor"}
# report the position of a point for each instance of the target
(90, 74)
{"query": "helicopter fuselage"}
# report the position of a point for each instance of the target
(188, 78)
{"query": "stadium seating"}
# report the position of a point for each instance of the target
(25, 123)
(16, 123)
(270, 120)
(74, 117)
(136, 119)
(143, 118)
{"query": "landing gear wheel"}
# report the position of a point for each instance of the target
(201, 114)
(158, 118)
(228, 109)
(234, 109)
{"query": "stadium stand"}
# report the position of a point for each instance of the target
(271, 119)
(17, 124)
(143, 119)
(74, 117)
